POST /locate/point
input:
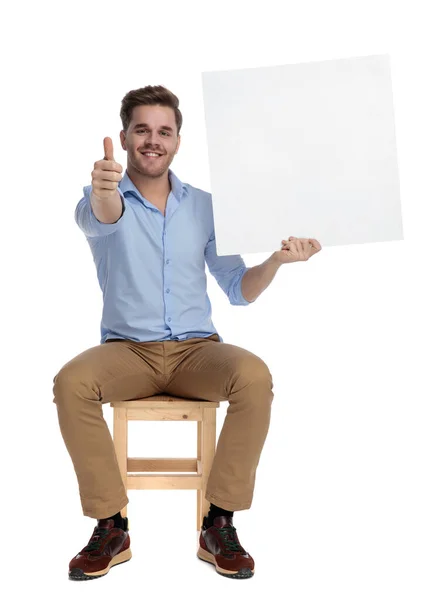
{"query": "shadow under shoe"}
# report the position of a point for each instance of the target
(220, 546)
(108, 546)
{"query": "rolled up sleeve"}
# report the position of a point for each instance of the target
(228, 271)
(87, 221)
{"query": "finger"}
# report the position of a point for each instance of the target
(100, 175)
(298, 245)
(316, 245)
(308, 246)
(106, 186)
(108, 165)
(108, 149)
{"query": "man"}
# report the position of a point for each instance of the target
(150, 236)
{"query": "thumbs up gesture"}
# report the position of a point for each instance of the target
(107, 173)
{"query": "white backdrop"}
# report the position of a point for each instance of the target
(347, 492)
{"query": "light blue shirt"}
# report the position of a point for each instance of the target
(151, 268)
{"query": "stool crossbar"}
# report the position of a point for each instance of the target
(181, 473)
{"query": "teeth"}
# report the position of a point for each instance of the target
(150, 154)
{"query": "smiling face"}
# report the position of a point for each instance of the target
(152, 129)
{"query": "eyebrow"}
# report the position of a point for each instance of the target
(145, 125)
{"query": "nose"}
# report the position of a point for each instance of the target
(153, 139)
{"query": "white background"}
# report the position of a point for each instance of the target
(347, 497)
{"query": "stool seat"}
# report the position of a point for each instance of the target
(141, 473)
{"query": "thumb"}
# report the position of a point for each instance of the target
(108, 149)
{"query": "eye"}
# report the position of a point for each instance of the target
(143, 130)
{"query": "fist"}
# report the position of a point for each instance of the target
(107, 173)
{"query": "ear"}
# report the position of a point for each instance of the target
(122, 138)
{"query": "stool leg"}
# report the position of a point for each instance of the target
(120, 440)
(199, 458)
(206, 439)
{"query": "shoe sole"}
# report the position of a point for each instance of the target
(208, 557)
(79, 575)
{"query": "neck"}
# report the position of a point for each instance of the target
(151, 188)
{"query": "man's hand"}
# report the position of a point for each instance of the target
(296, 249)
(106, 173)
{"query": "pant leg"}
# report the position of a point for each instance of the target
(113, 371)
(210, 370)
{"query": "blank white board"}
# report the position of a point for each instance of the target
(306, 150)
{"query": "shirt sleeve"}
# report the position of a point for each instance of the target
(228, 271)
(88, 223)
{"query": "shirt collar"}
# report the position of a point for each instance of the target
(177, 187)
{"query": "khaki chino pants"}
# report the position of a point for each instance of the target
(197, 369)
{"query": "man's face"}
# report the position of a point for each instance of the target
(154, 129)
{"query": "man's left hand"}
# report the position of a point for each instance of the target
(296, 249)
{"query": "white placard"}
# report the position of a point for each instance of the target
(306, 150)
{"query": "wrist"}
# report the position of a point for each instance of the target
(274, 260)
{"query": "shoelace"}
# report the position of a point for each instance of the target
(99, 534)
(230, 539)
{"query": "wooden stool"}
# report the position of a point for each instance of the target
(167, 408)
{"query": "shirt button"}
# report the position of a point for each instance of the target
(169, 319)
(168, 261)
(168, 290)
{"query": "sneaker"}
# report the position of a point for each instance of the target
(220, 546)
(108, 546)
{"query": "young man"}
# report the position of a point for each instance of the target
(150, 236)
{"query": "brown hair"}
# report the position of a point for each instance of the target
(150, 95)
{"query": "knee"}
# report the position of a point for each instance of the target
(256, 371)
(70, 380)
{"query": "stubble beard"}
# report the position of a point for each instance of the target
(152, 173)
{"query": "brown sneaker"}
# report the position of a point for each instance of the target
(108, 546)
(220, 546)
